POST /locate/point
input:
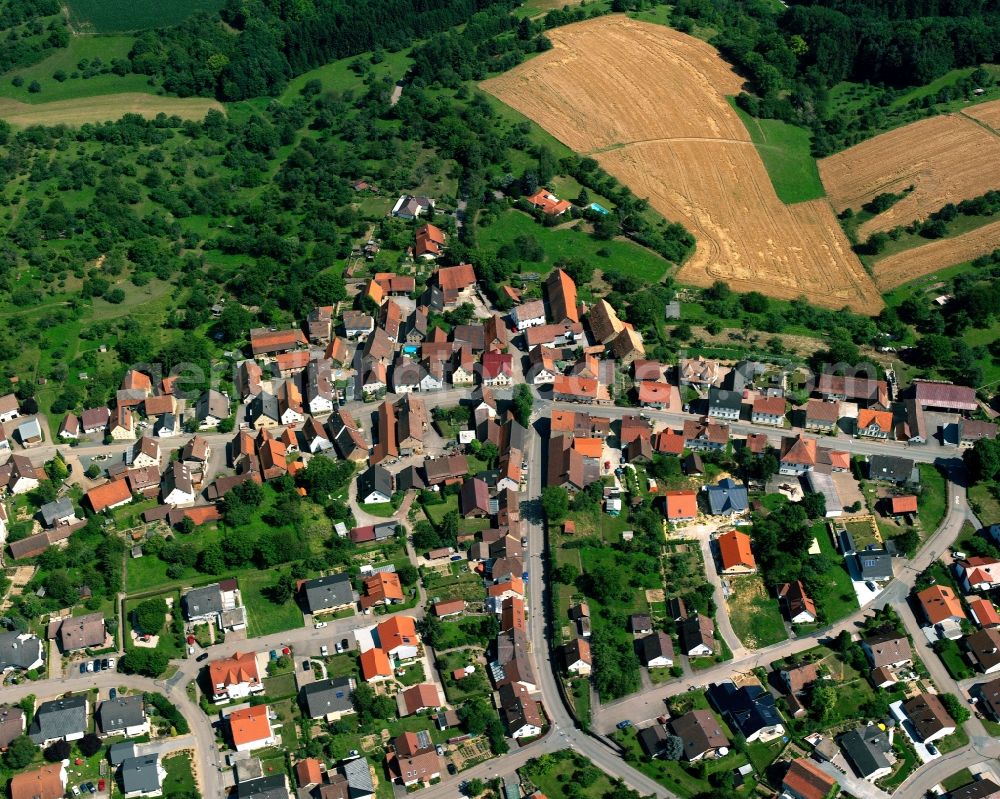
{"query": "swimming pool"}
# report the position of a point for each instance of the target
(409, 349)
(599, 208)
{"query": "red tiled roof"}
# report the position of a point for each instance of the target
(112, 493)
(734, 550)
(681, 504)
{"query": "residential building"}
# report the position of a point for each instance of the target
(528, 314)
(236, 677)
(474, 499)
(768, 410)
(983, 612)
(455, 283)
(942, 610)
(142, 776)
(382, 588)
(874, 423)
(518, 711)
(822, 416)
(560, 291)
(798, 455)
(211, 408)
(81, 632)
(727, 498)
(983, 650)
(375, 485)
(46, 782)
(123, 715)
(978, 573)
(64, 719)
(681, 506)
(328, 594)
(413, 759)
(887, 649)
(548, 203)
(264, 341)
(8, 408)
(696, 635)
(868, 752)
(725, 405)
(797, 679)
(656, 650)
(423, 696)
(701, 735)
(250, 728)
(430, 242)
(893, 469)
(110, 495)
(806, 780)
(705, 435)
(20, 652)
(329, 699)
(928, 716)
(178, 486)
(375, 665)
(749, 709)
(397, 637)
(860, 389)
(735, 556)
(798, 606)
(274, 787)
(12, 725)
(576, 657)
(980, 788)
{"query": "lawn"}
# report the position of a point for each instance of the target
(837, 598)
(906, 761)
(932, 499)
(563, 244)
(436, 513)
(786, 151)
(755, 616)
(983, 498)
(263, 616)
(957, 780)
(180, 775)
(458, 583)
(580, 692)
(114, 16)
(548, 774)
(953, 659)
(672, 774)
(338, 75)
(281, 686)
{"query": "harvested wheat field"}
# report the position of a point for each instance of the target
(910, 264)
(649, 104)
(987, 113)
(947, 159)
(104, 108)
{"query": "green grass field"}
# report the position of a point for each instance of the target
(565, 243)
(786, 152)
(933, 498)
(837, 599)
(339, 77)
(263, 616)
(755, 616)
(114, 16)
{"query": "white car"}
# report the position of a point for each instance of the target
(319, 625)
(190, 650)
(76, 791)
(338, 649)
(324, 650)
(111, 663)
(90, 665)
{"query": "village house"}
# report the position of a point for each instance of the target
(112, 494)
(211, 408)
(798, 606)
(560, 291)
(821, 416)
(696, 635)
(250, 728)
(264, 341)
(735, 556)
(550, 205)
(122, 424)
(942, 610)
(768, 410)
(528, 314)
(236, 677)
(874, 423)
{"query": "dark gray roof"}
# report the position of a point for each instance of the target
(140, 774)
(118, 714)
(892, 468)
(375, 478)
(865, 750)
(327, 592)
(18, 653)
(983, 788)
(203, 601)
(727, 497)
(328, 696)
(747, 709)
(728, 400)
(59, 718)
(275, 787)
(264, 404)
(51, 511)
(212, 403)
(117, 753)
(359, 777)
(874, 564)
(652, 739)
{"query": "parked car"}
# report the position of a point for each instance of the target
(105, 664)
(932, 749)
(113, 693)
(324, 650)
(111, 663)
(286, 651)
(101, 785)
(345, 644)
(190, 650)
(319, 625)
(97, 665)
(76, 791)
(452, 770)
(440, 750)
(338, 648)
(273, 654)
(201, 657)
(83, 668)
(457, 557)
(624, 725)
